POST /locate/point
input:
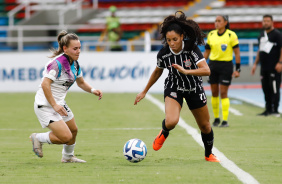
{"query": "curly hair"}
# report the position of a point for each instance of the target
(63, 39)
(181, 25)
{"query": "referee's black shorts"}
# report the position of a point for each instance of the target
(194, 99)
(221, 72)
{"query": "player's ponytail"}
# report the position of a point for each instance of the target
(63, 39)
(181, 25)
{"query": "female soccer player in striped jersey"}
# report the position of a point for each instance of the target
(186, 64)
(219, 49)
(50, 106)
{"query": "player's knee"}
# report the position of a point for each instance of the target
(67, 137)
(74, 131)
(223, 94)
(205, 128)
(170, 123)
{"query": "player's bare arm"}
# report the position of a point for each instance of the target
(154, 77)
(202, 70)
(46, 86)
(86, 87)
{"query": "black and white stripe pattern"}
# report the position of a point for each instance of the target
(188, 60)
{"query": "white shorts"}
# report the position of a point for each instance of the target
(46, 114)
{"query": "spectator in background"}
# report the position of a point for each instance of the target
(219, 49)
(113, 30)
(270, 58)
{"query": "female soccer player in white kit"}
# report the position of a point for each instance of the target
(50, 106)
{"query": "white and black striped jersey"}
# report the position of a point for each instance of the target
(188, 60)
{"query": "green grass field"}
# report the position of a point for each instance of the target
(253, 143)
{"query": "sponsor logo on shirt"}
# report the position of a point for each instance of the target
(167, 55)
(195, 55)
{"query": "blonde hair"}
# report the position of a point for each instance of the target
(63, 39)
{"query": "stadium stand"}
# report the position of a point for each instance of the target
(136, 16)
(244, 16)
(245, 19)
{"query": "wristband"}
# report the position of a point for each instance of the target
(238, 69)
(92, 90)
(280, 62)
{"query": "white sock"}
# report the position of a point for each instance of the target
(44, 137)
(68, 151)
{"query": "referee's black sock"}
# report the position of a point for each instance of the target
(165, 130)
(208, 142)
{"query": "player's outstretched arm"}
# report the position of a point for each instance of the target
(154, 77)
(86, 87)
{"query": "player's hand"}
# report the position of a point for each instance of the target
(236, 74)
(253, 69)
(139, 97)
(278, 67)
(60, 109)
(98, 93)
(179, 68)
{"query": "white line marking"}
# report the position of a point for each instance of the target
(235, 111)
(243, 176)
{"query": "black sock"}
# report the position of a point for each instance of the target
(165, 131)
(208, 142)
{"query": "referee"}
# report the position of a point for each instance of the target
(219, 49)
(186, 64)
(270, 57)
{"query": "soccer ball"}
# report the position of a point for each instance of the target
(134, 150)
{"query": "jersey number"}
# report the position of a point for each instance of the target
(67, 108)
(203, 96)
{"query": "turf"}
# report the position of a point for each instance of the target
(251, 142)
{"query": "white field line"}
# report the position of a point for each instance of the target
(243, 176)
(235, 111)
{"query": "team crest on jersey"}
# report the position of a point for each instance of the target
(187, 63)
(223, 47)
(173, 94)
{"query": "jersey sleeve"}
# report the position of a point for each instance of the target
(160, 61)
(234, 39)
(197, 55)
(207, 46)
(53, 70)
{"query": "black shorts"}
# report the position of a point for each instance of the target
(221, 72)
(194, 99)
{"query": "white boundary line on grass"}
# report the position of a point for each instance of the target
(243, 176)
(235, 111)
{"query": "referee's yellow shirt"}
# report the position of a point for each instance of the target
(221, 46)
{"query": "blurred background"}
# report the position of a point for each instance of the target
(28, 29)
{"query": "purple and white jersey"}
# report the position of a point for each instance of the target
(63, 76)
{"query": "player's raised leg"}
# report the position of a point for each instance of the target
(59, 134)
(172, 113)
(202, 117)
